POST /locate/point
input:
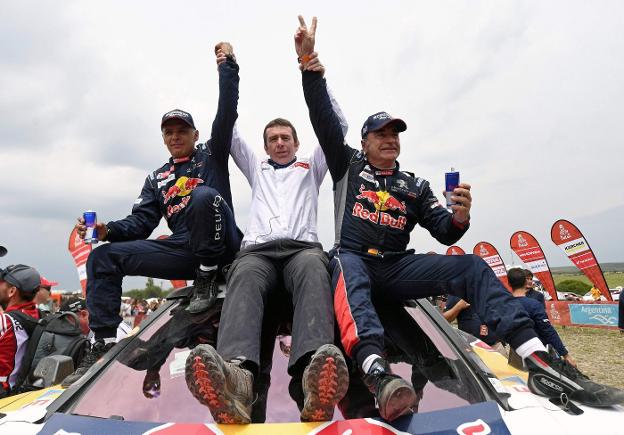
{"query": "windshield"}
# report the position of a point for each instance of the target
(146, 380)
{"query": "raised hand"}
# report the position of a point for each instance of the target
(223, 50)
(304, 38)
(313, 64)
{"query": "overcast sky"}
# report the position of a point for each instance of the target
(522, 97)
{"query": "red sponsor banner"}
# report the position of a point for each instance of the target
(455, 250)
(530, 252)
(490, 255)
(80, 251)
(570, 239)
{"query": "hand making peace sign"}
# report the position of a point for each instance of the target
(304, 38)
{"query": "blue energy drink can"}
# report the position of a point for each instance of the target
(90, 218)
(451, 180)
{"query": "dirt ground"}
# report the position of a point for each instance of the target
(599, 353)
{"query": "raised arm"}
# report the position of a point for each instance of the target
(221, 134)
(243, 155)
(325, 121)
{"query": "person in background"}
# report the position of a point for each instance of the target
(42, 299)
(469, 321)
(530, 288)
(18, 286)
(595, 293)
(545, 331)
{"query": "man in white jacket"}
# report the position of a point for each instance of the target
(281, 260)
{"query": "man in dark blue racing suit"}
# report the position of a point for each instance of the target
(192, 192)
(376, 207)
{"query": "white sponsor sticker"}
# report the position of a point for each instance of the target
(164, 182)
(538, 266)
(575, 246)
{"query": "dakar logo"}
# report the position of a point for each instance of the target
(563, 233)
(482, 250)
(478, 427)
(522, 241)
(554, 313)
(454, 252)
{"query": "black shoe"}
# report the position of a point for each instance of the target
(394, 395)
(551, 377)
(98, 349)
(205, 291)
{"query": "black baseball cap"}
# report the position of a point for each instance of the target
(379, 120)
(178, 114)
(25, 278)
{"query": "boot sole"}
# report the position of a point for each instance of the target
(326, 383)
(205, 378)
(401, 401)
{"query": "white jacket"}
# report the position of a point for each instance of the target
(284, 201)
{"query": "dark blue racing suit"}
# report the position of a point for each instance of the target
(193, 195)
(545, 331)
(375, 211)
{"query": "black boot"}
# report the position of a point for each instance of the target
(394, 396)
(551, 377)
(205, 291)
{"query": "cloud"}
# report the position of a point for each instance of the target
(524, 98)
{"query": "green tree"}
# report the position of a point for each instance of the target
(151, 290)
(573, 286)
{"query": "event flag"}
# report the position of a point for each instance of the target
(569, 238)
(80, 251)
(488, 252)
(530, 252)
(455, 250)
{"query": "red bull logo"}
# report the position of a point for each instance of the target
(379, 217)
(182, 187)
(382, 200)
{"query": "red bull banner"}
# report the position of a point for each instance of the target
(570, 239)
(528, 249)
(455, 250)
(490, 255)
(79, 251)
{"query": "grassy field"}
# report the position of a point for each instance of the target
(614, 279)
(599, 353)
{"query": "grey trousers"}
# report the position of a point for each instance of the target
(277, 273)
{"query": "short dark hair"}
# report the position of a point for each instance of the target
(516, 278)
(26, 296)
(528, 273)
(279, 122)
